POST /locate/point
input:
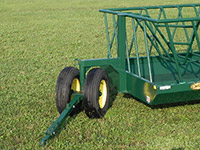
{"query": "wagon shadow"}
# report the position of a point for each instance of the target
(176, 104)
(162, 106)
(180, 148)
(112, 95)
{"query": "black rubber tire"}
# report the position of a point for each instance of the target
(91, 93)
(63, 87)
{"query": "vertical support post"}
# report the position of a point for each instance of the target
(183, 23)
(132, 41)
(107, 35)
(115, 30)
(82, 74)
(154, 30)
(196, 11)
(196, 34)
(195, 28)
(127, 56)
(172, 47)
(147, 51)
(122, 51)
(136, 47)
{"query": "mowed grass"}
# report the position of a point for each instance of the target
(37, 40)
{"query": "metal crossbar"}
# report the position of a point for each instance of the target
(159, 34)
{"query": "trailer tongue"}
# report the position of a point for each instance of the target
(77, 98)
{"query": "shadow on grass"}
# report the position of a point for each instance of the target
(112, 95)
(163, 105)
(180, 148)
(176, 104)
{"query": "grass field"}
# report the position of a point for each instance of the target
(38, 38)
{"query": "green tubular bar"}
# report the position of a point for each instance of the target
(127, 57)
(119, 11)
(147, 51)
(196, 34)
(66, 112)
(107, 36)
(154, 35)
(178, 20)
(176, 26)
(148, 7)
(115, 30)
(136, 47)
(122, 50)
(183, 23)
(191, 41)
(173, 52)
(114, 36)
(155, 31)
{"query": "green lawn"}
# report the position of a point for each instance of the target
(38, 38)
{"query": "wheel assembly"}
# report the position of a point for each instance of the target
(67, 83)
(96, 93)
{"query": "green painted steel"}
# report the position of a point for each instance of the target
(107, 35)
(152, 66)
(160, 63)
(66, 112)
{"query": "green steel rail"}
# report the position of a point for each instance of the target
(152, 29)
(120, 11)
(152, 7)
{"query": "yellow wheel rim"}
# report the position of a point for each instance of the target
(103, 94)
(76, 87)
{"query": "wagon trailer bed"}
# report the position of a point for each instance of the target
(153, 54)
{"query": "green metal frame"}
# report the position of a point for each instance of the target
(151, 77)
(166, 75)
(182, 69)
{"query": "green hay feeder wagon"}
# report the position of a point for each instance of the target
(153, 54)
